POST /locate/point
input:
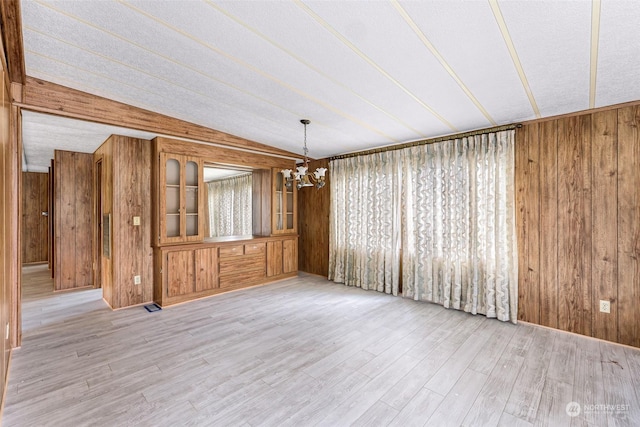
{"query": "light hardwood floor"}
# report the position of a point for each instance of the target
(303, 352)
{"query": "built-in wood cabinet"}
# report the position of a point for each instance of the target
(282, 256)
(188, 272)
(187, 265)
(290, 255)
(242, 264)
(283, 205)
(206, 268)
(181, 199)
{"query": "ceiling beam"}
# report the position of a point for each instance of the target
(46, 97)
(12, 39)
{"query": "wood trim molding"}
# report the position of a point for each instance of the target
(16, 93)
(12, 39)
(15, 297)
(46, 97)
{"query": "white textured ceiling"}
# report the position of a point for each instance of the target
(42, 133)
(366, 73)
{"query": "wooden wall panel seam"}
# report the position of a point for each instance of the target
(548, 224)
(604, 213)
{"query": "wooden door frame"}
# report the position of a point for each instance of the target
(97, 220)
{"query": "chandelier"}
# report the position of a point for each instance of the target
(302, 177)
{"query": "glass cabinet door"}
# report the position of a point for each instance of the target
(288, 208)
(172, 197)
(284, 218)
(192, 198)
(278, 201)
(180, 204)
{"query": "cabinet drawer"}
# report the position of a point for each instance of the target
(244, 278)
(254, 248)
(248, 262)
(229, 251)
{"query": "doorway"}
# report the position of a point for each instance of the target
(35, 217)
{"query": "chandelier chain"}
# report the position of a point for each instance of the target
(306, 150)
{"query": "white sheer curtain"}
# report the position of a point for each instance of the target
(230, 203)
(446, 208)
(365, 222)
(459, 240)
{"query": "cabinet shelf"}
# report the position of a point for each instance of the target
(180, 184)
(283, 212)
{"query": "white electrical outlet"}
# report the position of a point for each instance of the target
(136, 280)
(605, 306)
(136, 220)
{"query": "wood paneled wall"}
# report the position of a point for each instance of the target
(10, 253)
(229, 156)
(35, 226)
(578, 207)
(126, 192)
(5, 237)
(73, 177)
(103, 205)
(10, 16)
(313, 225)
(51, 235)
(577, 181)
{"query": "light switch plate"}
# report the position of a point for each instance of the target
(136, 280)
(136, 220)
(605, 306)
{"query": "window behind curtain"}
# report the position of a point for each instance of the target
(440, 216)
(230, 206)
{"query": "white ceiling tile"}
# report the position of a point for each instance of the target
(302, 35)
(618, 53)
(552, 39)
(356, 69)
(381, 34)
(465, 34)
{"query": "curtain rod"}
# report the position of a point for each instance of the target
(427, 141)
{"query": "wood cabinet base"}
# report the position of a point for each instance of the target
(188, 272)
(213, 292)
